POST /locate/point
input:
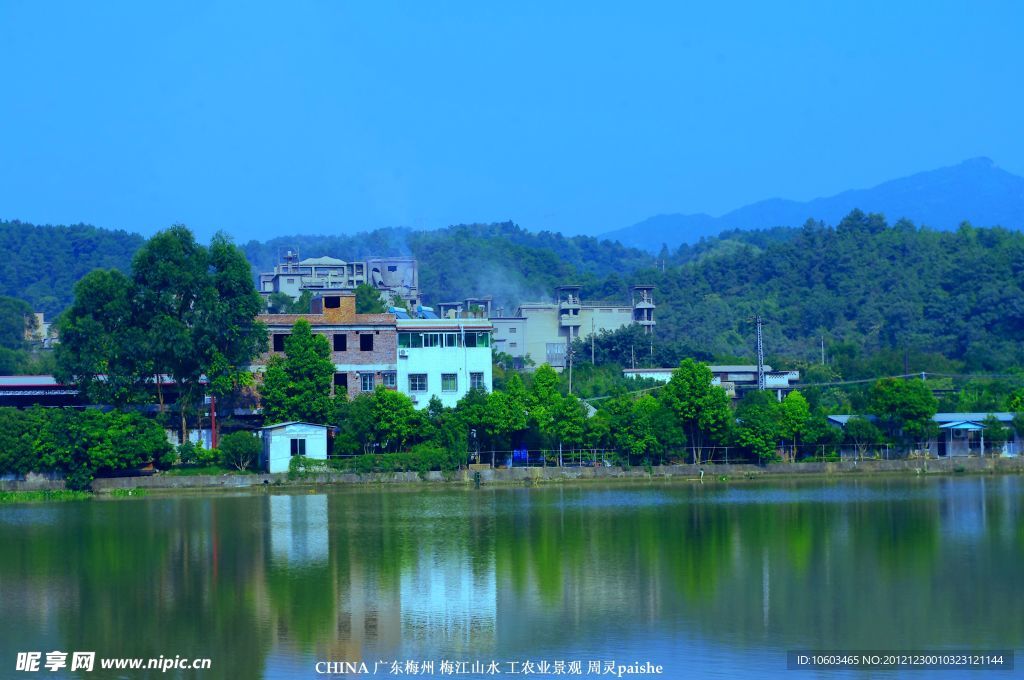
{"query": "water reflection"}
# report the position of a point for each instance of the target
(269, 583)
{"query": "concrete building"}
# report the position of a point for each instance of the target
(283, 441)
(735, 380)
(470, 308)
(443, 357)
(323, 275)
(419, 357)
(544, 330)
(364, 347)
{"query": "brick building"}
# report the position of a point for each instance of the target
(364, 347)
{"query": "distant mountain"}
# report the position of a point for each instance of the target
(976, 191)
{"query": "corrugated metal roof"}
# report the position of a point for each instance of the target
(1002, 416)
(28, 381)
(278, 426)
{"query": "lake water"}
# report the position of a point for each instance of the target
(712, 581)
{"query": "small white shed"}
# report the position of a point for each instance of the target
(282, 441)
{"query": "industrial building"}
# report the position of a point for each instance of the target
(735, 380)
(323, 275)
(545, 330)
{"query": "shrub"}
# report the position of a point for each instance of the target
(239, 450)
(194, 454)
(84, 443)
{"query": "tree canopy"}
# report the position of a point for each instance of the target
(186, 311)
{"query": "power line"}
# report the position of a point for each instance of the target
(861, 381)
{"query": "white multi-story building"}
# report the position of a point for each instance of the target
(443, 357)
(735, 380)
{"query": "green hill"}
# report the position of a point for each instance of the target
(41, 263)
(863, 287)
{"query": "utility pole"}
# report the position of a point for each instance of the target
(823, 350)
(568, 357)
(592, 362)
(760, 355)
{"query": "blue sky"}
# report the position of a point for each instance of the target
(266, 119)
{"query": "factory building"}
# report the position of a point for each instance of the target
(325, 275)
(545, 330)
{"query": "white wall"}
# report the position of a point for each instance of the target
(435, 361)
(277, 444)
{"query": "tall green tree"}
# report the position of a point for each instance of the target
(794, 419)
(186, 311)
(905, 409)
(368, 300)
(393, 416)
(105, 346)
(701, 408)
(544, 399)
(758, 424)
(862, 434)
(297, 386)
(570, 426)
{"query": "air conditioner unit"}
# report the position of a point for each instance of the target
(403, 353)
(414, 399)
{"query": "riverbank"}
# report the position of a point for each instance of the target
(713, 473)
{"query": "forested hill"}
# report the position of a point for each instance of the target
(862, 287)
(41, 263)
(502, 260)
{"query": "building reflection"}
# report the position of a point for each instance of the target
(370, 574)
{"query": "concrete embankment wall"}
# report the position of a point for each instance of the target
(520, 476)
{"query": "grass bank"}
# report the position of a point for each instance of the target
(42, 496)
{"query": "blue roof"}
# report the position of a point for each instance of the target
(941, 418)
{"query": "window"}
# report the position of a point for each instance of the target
(298, 447)
(365, 342)
(340, 342)
(291, 280)
(483, 339)
(404, 340)
(512, 329)
(431, 339)
(470, 339)
(449, 382)
(332, 302)
(390, 380)
(476, 381)
(341, 380)
(417, 382)
(367, 382)
(512, 344)
(451, 339)
(279, 341)
(392, 268)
